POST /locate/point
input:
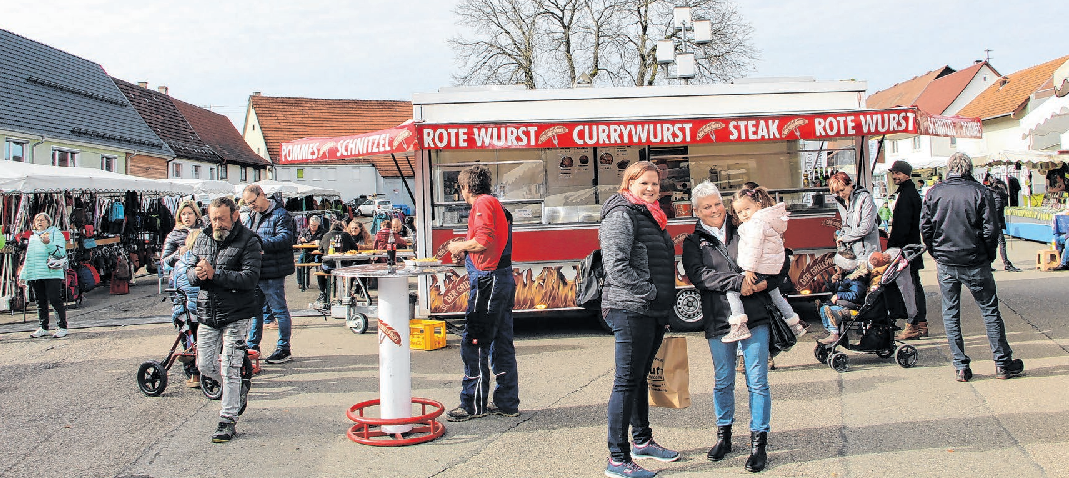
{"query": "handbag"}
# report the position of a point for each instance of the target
(54, 262)
(669, 378)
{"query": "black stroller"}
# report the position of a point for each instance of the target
(873, 325)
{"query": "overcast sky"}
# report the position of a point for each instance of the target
(215, 53)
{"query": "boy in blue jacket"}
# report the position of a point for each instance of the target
(848, 293)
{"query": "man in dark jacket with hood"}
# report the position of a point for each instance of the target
(277, 231)
(959, 227)
(225, 264)
(906, 230)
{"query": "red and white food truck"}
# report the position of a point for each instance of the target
(556, 155)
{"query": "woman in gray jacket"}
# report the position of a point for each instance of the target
(638, 294)
(858, 234)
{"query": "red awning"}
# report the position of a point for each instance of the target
(949, 126)
(400, 139)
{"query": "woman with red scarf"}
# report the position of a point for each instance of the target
(639, 291)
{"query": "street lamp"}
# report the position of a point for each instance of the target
(680, 49)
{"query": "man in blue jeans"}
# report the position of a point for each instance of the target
(487, 345)
(960, 228)
(277, 231)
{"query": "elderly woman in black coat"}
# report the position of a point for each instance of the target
(709, 256)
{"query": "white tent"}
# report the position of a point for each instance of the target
(206, 186)
(289, 189)
(37, 178)
(1045, 125)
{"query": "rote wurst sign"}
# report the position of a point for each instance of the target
(667, 132)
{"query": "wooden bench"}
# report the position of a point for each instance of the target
(1047, 259)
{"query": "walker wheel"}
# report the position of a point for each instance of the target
(151, 378)
(821, 352)
(906, 356)
(839, 362)
(357, 322)
(212, 389)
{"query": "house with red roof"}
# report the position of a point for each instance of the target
(943, 91)
(271, 121)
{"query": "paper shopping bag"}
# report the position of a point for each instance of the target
(669, 377)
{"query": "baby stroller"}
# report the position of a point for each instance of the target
(152, 375)
(871, 328)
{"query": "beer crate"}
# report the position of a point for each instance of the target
(426, 334)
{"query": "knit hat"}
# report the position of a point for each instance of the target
(901, 167)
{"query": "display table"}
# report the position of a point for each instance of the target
(395, 366)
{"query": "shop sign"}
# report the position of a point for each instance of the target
(950, 126)
(667, 132)
(394, 140)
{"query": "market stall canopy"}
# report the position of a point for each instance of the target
(1039, 160)
(37, 178)
(1044, 125)
(400, 139)
(287, 189)
(205, 186)
(917, 163)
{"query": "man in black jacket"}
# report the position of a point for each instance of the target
(958, 226)
(226, 267)
(906, 230)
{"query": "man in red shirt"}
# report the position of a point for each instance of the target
(487, 341)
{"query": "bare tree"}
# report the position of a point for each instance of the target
(550, 43)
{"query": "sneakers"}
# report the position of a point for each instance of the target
(1012, 268)
(280, 356)
(60, 333)
(39, 333)
(911, 332)
(652, 450)
(497, 411)
(738, 331)
(627, 469)
(1014, 368)
(459, 414)
(965, 374)
(224, 432)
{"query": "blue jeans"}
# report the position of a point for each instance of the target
(637, 339)
(1059, 242)
(831, 326)
(755, 353)
(499, 355)
(982, 285)
(274, 304)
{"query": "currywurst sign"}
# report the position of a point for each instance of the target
(667, 132)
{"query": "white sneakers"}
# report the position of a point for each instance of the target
(60, 333)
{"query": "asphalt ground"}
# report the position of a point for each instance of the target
(71, 407)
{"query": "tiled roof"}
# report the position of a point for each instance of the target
(286, 119)
(1002, 99)
(943, 91)
(220, 134)
(169, 124)
(907, 92)
(49, 92)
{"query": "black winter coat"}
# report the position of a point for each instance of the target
(278, 234)
(714, 277)
(639, 260)
(906, 220)
(175, 239)
(230, 295)
(958, 223)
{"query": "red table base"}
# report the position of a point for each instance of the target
(368, 431)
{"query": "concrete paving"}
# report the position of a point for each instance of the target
(70, 407)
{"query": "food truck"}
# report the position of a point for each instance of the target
(557, 155)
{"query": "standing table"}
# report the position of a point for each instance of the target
(395, 366)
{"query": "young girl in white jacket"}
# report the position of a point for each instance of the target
(761, 255)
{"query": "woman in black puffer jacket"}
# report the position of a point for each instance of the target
(638, 294)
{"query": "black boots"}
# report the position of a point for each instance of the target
(723, 443)
(756, 461)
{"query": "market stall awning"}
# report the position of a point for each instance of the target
(288, 189)
(399, 139)
(38, 178)
(1044, 125)
(205, 186)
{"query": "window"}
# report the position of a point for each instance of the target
(256, 175)
(300, 173)
(15, 150)
(222, 172)
(65, 158)
(196, 171)
(894, 146)
(176, 170)
(953, 140)
(916, 143)
(244, 174)
(107, 163)
(211, 173)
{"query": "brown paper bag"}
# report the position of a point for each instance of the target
(669, 377)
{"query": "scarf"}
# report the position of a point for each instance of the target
(654, 208)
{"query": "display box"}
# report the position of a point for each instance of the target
(426, 334)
